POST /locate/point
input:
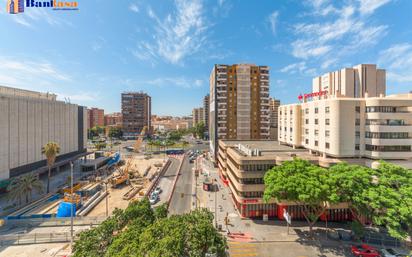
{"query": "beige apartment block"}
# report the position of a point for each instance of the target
(198, 115)
(273, 110)
(239, 103)
(354, 82)
(346, 127)
(29, 120)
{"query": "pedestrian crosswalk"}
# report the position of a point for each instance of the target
(242, 249)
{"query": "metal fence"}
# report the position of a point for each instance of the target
(35, 238)
(54, 222)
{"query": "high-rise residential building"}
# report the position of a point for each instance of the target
(31, 119)
(206, 111)
(95, 117)
(239, 103)
(355, 82)
(198, 115)
(136, 112)
(113, 119)
(347, 124)
(273, 109)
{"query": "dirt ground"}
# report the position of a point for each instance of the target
(115, 200)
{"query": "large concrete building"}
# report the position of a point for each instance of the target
(206, 111)
(29, 120)
(197, 115)
(95, 117)
(239, 103)
(358, 81)
(344, 121)
(113, 119)
(136, 112)
(273, 109)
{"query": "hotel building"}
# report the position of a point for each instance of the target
(206, 111)
(347, 115)
(31, 119)
(239, 103)
(136, 112)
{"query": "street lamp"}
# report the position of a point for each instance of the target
(71, 206)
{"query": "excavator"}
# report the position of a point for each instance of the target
(139, 139)
(122, 177)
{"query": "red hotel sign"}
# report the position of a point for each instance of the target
(306, 96)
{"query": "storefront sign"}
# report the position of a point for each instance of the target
(311, 95)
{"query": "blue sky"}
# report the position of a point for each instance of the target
(168, 48)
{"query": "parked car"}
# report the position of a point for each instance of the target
(344, 234)
(153, 198)
(390, 252)
(365, 250)
(158, 190)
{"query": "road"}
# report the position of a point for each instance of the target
(166, 181)
(182, 197)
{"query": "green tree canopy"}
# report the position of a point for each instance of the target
(115, 132)
(303, 183)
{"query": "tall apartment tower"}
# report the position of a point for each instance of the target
(206, 111)
(273, 109)
(239, 103)
(363, 80)
(136, 112)
(197, 114)
(95, 117)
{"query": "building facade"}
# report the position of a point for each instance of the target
(239, 103)
(358, 81)
(136, 112)
(273, 109)
(95, 117)
(113, 119)
(198, 115)
(206, 111)
(29, 121)
(245, 164)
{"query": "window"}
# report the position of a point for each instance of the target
(316, 121)
(316, 132)
(327, 121)
(306, 141)
(357, 147)
(307, 121)
(291, 112)
(357, 109)
(388, 148)
(357, 134)
(307, 110)
(327, 145)
(380, 109)
(387, 135)
(316, 143)
(327, 133)
(316, 109)
(306, 131)
(357, 122)
(291, 130)
(327, 109)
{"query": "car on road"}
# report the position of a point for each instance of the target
(153, 198)
(390, 252)
(158, 190)
(365, 250)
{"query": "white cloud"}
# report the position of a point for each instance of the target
(298, 68)
(176, 81)
(369, 6)
(273, 19)
(79, 97)
(38, 15)
(397, 60)
(177, 36)
(134, 8)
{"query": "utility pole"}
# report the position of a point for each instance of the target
(71, 206)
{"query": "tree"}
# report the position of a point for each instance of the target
(161, 211)
(185, 144)
(23, 186)
(100, 146)
(115, 132)
(390, 197)
(175, 135)
(199, 129)
(303, 183)
(50, 150)
(352, 184)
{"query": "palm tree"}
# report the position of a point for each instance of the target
(50, 150)
(23, 186)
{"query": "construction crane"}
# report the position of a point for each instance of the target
(139, 139)
(122, 177)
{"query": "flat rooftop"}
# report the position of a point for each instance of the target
(263, 145)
